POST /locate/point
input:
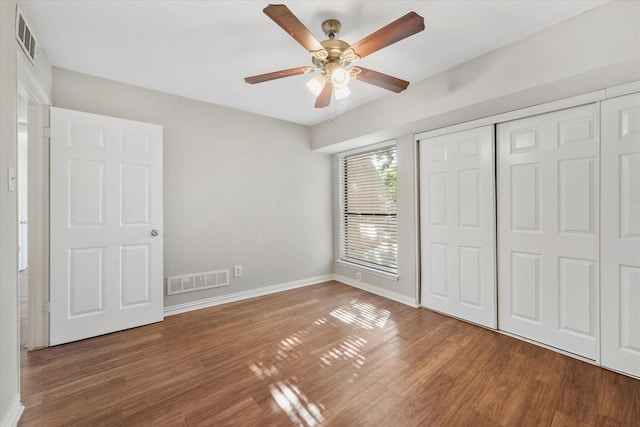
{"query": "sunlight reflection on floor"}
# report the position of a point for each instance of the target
(263, 371)
(362, 314)
(295, 404)
(346, 350)
(300, 408)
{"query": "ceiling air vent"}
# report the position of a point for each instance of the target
(25, 36)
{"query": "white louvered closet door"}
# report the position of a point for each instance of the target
(620, 310)
(548, 229)
(457, 211)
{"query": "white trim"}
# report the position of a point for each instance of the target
(612, 92)
(574, 101)
(28, 85)
(370, 270)
(11, 417)
(598, 234)
(38, 218)
(30, 89)
(239, 296)
(548, 107)
(416, 220)
(394, 296)
(366, 148)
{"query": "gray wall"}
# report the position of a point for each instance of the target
(239, 189)
(595, 50)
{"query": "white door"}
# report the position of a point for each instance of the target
(620, 349)
(457, 216)
(106, 225)
(548, 228)
(23, 226)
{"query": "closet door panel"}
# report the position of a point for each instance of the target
(620, 309)
(547, 228)
(458, 225)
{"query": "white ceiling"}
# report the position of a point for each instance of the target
(204, 49)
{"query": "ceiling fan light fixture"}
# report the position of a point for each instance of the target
(340, 77)
(316, 84)
(341, 92)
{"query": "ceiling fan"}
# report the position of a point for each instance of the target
(333, 57)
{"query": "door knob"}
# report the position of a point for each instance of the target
(154, 232)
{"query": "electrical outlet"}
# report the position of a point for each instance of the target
(358, 276)
(237, 271)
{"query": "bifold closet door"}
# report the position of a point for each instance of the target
(548, 229)
(620, 239)
(457, 212)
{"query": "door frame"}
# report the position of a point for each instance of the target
(38, 203)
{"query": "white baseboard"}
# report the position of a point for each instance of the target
(12, 415)
(394, 296)
(239, 296)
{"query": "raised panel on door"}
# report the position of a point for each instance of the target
(525, 287)
(86, 281)
(547, 222)
(135, 193)
(458, 225)
(620, 296)
(86, 193)
(134, 279)
(106, 266)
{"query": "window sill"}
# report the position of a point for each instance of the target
(373, 271)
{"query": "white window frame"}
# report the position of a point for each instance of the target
(390, 273)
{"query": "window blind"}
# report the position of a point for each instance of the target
(369, 233)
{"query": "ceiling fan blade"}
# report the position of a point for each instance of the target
(385, 81)
(324, 98)
(401, 28)
(276, 75)
(281, 15)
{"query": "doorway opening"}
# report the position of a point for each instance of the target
(32, 188)
(23, 216)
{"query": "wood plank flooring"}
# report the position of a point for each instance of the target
(326, 354)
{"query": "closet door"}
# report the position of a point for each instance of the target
(548, 228)
(457, 211)
(620, 309)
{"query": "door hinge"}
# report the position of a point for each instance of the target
(46, 132)
(46, 307)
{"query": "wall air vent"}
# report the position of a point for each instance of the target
(25, 37)
(197, 281)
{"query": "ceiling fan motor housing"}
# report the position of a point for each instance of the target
(331, 27)
(335, 49)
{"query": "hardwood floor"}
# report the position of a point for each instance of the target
(327, 354)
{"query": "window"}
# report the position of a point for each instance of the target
(368, 204)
